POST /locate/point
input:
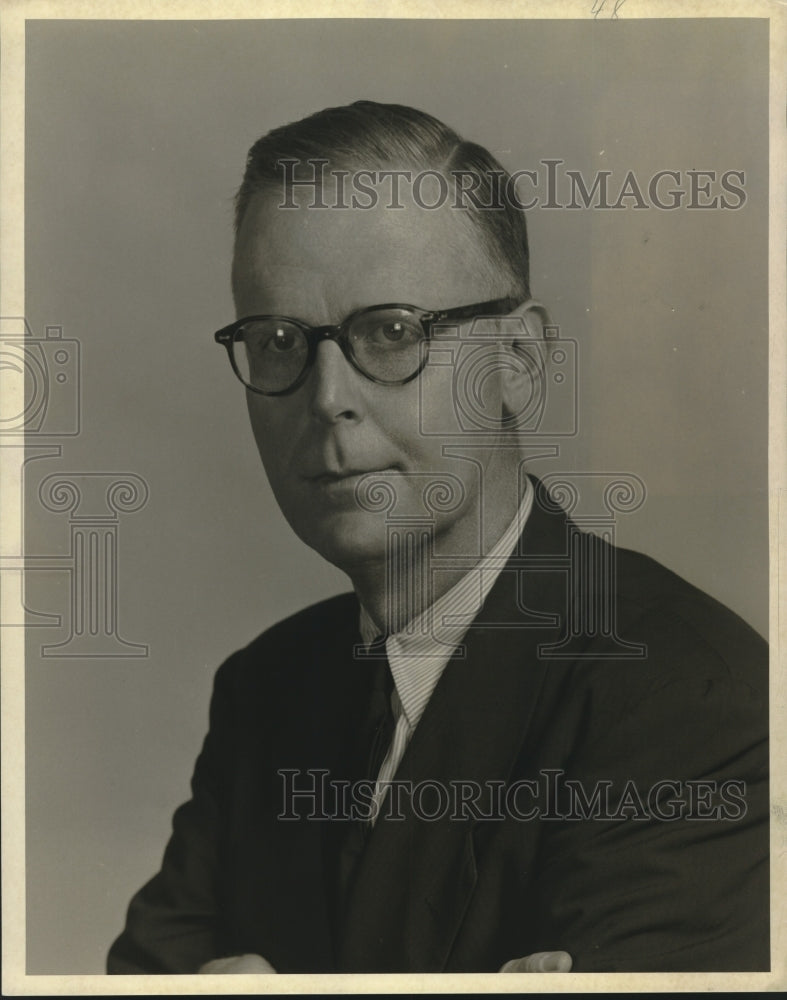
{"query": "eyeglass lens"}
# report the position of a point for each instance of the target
(386, 344)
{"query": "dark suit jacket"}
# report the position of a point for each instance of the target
(464, 893)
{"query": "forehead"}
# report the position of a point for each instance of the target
(334, 260)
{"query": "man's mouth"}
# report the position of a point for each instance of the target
(330, 476)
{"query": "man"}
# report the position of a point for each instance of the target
(511, 739)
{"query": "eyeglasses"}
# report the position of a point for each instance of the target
(388, 344)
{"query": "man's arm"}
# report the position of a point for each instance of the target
(171, 925)
(656, 893)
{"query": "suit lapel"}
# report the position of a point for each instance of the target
(416, 878)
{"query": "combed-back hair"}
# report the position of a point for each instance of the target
(367, 135)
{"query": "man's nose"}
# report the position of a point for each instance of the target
(334, 385)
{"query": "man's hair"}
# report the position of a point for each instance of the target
(367, 135)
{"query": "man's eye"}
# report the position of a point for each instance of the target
(281, 340)
(394, 333)
(267, 343)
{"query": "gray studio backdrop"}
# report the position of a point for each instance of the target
(135, 143)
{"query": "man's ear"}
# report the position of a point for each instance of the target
(522, 333)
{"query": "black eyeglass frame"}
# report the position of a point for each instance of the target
(228, 335)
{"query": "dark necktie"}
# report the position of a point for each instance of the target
(381, 719)
(374, 738)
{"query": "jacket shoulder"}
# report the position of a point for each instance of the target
(304, 626)
(290, 645)
(650, 592)
(671, 644)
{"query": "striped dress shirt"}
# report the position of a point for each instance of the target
(419, 654)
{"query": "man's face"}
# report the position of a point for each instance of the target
(317, 442)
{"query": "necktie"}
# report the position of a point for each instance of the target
(381, 717)
(374, 739)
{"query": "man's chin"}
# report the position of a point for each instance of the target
(349, 542)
